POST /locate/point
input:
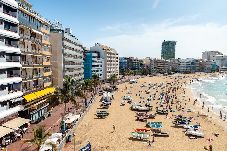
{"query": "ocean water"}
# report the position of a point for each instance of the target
(213, 92)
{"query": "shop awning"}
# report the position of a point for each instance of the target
(15, 123)
(10, 111)
(39, 94)
(4, 131)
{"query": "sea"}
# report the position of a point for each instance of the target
(213, 92)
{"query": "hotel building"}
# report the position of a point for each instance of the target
(93, 65)
(67, 55)
(10, 67)
(36, 71)
(111, 60)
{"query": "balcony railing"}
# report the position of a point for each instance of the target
(13, 75)
(12, 60)
(10, 14)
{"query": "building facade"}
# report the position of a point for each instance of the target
(36, 71)
(93, 65)
(210, 55)
(67, 55)
(168, 50)
(123, 64)
(110, 60)
(10, 66)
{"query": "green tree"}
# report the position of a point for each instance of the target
(39, 137)
(95, 82)
(113, 79)
(66, 94)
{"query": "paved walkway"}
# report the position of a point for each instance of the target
(51, 124)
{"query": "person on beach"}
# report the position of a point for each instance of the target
(203, 105)
(149, 143)
(224, 117)
(113, 128)
(220, 115)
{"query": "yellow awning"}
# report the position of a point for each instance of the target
(38, 94)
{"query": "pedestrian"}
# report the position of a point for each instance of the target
(210, 148)
(220, 115)
(224, 117)
(203, 105)
(149, 143)
(114, 128)
(208, 109)
(153, 139)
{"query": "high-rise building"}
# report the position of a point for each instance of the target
(36, 71)
(93, 64)
(168, 50)
(111, 60)
(67, 55)
(10, 66)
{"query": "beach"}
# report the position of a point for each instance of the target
(102, 136)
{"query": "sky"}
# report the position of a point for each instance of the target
(137, 27)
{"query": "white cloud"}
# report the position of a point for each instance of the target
(155, 4)
(191, 39)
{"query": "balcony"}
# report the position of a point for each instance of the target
(9, 34)
(46, 63)
(11, 3)
(9, 18)
(46, 42)
(47, 84)
(47, 73)
(45, 30)
(46, 53)
(37, 75)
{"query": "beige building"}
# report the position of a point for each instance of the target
(67, 55)
(35, 59)
(111, 60)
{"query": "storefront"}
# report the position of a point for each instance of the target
(37, 105)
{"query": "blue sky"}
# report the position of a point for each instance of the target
(137, 27)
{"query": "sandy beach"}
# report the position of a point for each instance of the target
(100, 133)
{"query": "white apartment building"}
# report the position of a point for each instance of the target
(97, 65)
(221, 62)
(110, 58)
(10, 67)
(210, 55)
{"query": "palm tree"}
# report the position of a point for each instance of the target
(66, 93)
(39, 137)
(113, 79)
(95, 81)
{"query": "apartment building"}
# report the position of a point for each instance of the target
(67, 55)
(210, 55)
(10, 67)
(93, 65)
(111, 60)
(36, 71)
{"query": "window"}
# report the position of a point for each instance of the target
(1, 39)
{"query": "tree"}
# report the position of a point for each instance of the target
(66, 94)
(113, 79)
(95, 81)
(39, 137)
